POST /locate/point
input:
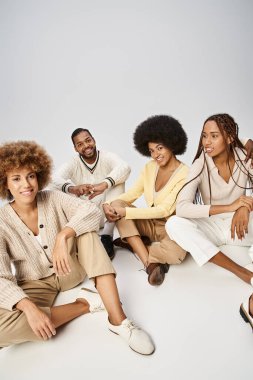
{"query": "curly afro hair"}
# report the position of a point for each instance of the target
(162, 129)
(29, 154)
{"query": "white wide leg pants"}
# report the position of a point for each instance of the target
(202, 237)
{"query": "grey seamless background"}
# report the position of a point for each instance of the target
(108, 65)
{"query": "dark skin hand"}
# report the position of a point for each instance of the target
(97, 189)
(110, 213)
(249, 149)
(240, 221)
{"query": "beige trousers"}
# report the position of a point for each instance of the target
(87, 256)
(163, 250)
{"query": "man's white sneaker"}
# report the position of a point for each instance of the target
(137, 339)
(93, 298)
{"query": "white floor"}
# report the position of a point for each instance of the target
(193, 318)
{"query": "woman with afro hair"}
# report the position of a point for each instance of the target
(50, 238)
(161, 137)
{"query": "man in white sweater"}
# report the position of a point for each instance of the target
(93, 174)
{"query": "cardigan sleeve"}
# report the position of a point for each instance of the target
(135, 191)
(185, 207)
(120, 170)
(162, 210)
(82, 215)
(10, 292)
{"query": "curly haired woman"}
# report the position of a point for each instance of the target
(50, 239)
(161, 137)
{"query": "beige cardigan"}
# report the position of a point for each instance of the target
(18, 245)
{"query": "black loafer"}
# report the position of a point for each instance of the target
(107, 242)
(122, 244)
(166, 267)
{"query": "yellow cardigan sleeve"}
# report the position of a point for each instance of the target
(162, 209)
(135, 191)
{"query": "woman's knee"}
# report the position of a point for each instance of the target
(119, 203)
(174, 223)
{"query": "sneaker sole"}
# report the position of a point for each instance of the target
(131, 347)
(245, 316)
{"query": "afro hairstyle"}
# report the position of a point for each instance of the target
(161, 129)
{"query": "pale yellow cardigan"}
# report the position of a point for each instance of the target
(164, 203)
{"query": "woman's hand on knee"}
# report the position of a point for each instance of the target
(120, 211)
(60, 253)
(39, 321)
(110, 213)
(240, 221)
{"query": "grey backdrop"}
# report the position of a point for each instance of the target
(108, 65)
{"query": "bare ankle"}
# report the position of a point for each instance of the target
(83, 304)
(116, 321)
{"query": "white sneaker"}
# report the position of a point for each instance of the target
(137, 339)
(244, 311)
(93, 298)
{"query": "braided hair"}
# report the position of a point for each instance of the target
(228, 129)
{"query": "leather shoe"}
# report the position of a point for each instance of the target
(156, 273)
(93, 298)
(137, 339)
(120, 243)
(245, 312)
(107, 242)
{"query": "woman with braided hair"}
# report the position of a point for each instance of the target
(213, 208)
